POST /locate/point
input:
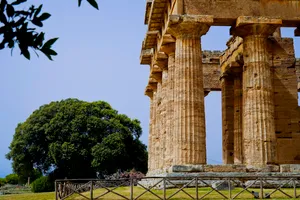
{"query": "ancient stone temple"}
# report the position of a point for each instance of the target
(257, 74)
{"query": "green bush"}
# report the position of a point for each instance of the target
(42, 184)
(2, 182)
(12, 179)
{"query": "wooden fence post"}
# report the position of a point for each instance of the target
(55, 185)
(131, 188)
(91, 190)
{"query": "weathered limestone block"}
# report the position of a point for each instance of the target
(189, 119)
(294, 168)
(267, 168)
(258, 109)
(222, 185)
(224, 168)
(211, 70)
(187, 168)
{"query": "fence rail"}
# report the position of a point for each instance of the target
(165, 188)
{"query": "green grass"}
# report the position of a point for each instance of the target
(148, 196)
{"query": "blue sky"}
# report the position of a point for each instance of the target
(98, 59)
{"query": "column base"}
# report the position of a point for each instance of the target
(223, 168)
(180, 175)
(190, 169)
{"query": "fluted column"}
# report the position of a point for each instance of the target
(150, 136)
(157, 140)
(163, 115)
(152, 148)
(227, 119)
(169, 49)
(238, 116)
(258, 104)
(189, 116)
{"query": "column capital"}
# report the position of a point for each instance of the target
(189, 26)
(259, 26)
(153, 86)
(168, 49)
(157, 76)
(160, 59)
(149, 93)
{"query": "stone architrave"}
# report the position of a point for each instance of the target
(169, 49)
(259, 137)
(189, 117)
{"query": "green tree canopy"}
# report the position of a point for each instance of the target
(18, 27)
(77, 139)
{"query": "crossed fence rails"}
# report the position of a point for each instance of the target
(86, 187)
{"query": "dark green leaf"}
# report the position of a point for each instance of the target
(24, 27)
(37, 22)
(3, 18)
(11, 44)
(79, 2)
(52, 52)
(18, 2)
(2, 30)
(49, 43)
(39, 40)
(44, 16)
(10, 11)
(20, 22)
(26, 53)
(93, 3)
(2, 45)
(38, 10)
(48, 51)
(46, 54)
(2, 5)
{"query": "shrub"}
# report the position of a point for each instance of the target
(2, 182)
(42, 184)
(12, 179)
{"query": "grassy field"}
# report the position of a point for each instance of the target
(148, 196)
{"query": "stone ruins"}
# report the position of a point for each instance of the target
(257, 74)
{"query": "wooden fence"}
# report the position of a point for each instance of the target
(273, 184)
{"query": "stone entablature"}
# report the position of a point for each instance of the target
(256, 74)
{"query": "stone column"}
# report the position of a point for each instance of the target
(238, 119)
(258, 103)
(157, 140)
(162, 85)
(163, 116)
(152, 150)
(169, 49)
(189, 117)
(150, 136)
(227, 118)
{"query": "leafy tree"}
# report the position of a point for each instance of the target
(42, 184)
(12, 179)
(77, 139)
(16, 29)
(2, 181)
